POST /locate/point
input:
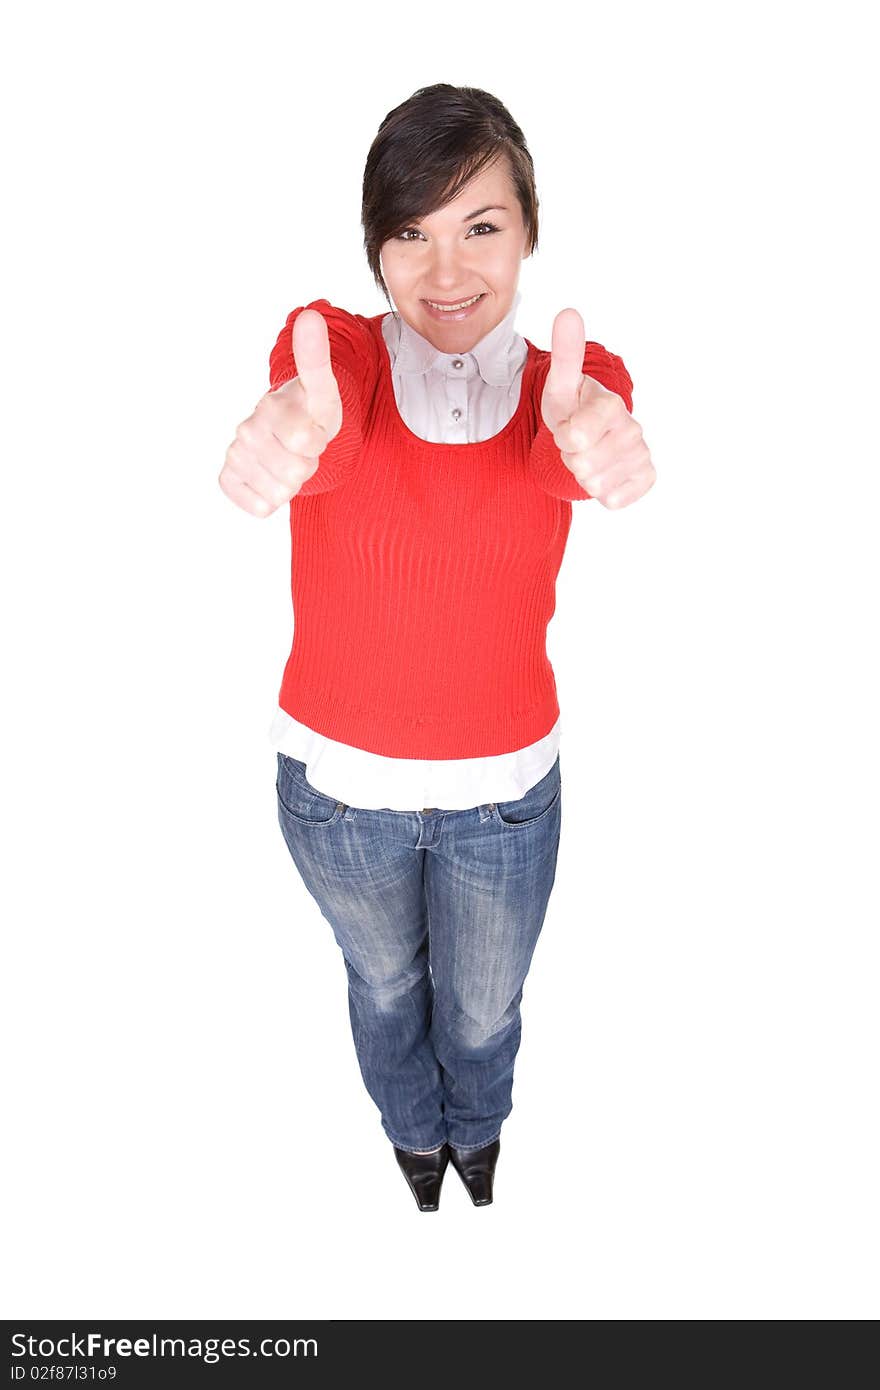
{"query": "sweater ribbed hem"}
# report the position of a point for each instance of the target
(474, 736)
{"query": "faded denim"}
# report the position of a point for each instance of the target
(437, 914)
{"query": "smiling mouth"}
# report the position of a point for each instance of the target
(453, 305)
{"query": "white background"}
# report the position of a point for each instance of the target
(694, 1132)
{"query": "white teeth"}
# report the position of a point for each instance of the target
(452, 308)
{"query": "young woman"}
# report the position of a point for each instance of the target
(430, 456)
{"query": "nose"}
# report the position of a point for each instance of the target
(450, 268)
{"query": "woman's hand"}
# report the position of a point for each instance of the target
(598, 438)
(278, 447)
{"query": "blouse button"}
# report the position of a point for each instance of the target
(456, 413)
(457, 362)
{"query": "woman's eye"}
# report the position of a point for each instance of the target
(492, 228)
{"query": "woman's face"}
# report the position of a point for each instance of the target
(453, 255)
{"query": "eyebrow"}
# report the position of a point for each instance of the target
(495, 207)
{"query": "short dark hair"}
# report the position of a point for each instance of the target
(424, 153)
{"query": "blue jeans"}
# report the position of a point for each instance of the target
(437, 914)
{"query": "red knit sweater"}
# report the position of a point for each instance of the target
(423, 575)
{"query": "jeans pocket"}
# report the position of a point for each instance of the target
(538, 802)
(299, 800)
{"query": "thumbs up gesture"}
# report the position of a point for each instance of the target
(599, 440)
(278, 448)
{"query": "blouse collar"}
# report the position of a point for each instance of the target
(498, 355)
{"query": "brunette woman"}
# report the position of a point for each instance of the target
(430, 456)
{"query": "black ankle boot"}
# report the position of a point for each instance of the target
(424, 1173)
(476, 1168)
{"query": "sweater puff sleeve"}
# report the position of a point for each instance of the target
(355, 362)
(545, 460)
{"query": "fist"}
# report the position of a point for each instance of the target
(277, 449)
(593, 430)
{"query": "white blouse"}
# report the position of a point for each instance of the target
(446, 398)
